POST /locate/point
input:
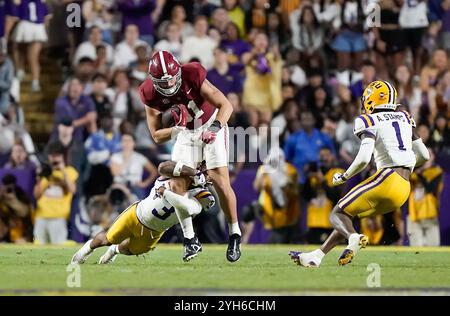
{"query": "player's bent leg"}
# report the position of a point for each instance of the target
(221, 180)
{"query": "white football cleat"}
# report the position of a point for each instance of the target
(306, 259)
(81, 255)
(109, 256)
(355, 243)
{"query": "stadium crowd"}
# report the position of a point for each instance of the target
(295, 69)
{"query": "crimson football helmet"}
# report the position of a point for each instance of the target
(165, 72)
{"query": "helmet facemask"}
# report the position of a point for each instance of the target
(162, 85)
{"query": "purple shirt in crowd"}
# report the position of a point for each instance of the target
(65, 109)
(25, 176)
(137, 12)
(237, 47)
(30, 10)
(229, 82)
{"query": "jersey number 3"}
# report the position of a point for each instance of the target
(401, 146)
(165, 215)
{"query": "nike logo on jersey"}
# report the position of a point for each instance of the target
(189, 91)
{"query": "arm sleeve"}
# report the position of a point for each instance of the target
(183, 204)
(362, 158)
(420, 151)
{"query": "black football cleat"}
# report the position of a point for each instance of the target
(191, 248)
(234, 248)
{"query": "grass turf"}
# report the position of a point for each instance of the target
(264, 269)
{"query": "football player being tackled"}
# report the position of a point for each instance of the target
(138, 229)
(201, 128)
(388, 135)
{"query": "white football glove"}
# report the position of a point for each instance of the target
(338, 178)
(199, 179)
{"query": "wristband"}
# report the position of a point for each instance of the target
(177, 169)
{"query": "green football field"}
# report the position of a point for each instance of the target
(30, 270)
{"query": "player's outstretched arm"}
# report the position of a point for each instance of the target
(361, 160)
(184, 205)
(160, 135)
(167, 168)
(420, 151)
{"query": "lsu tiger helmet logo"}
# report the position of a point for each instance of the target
(379, 95)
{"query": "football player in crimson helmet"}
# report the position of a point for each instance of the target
(203, 136)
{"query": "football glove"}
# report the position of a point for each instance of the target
(339, 178)
(180, 119)
(209, 135)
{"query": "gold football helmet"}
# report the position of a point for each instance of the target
(379, 95)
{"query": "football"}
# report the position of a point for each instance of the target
(167, 117)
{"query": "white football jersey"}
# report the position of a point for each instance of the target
(157, 214)
(393, 137)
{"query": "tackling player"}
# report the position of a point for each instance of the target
(138, 229)
(388, 135)
(202, 132)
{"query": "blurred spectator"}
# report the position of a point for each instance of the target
(437, 65)
(103, 143)
(289, 111)
(89, 47)
(101, 63)
(103, 105)
(368, 72)
(321, 196)
(220, 20)
(171, 42)
(178, 17)
(236, 15)
(262, 86)
(128, 166)
(390, 38)
(125, 103)
(440, 131)
(140, 13)
(276, 33)
(53, 192)
(224, 76)
(203, 7)
(199, 45)
(22, 168)
(426, 186)
(139, 68)
(349, 43)
(256, 17)
(414, 22)
(30, 31)
(277, 206)
(99, 13)
(6, 78)
(84, 72)
(80, 108)
(303, 146)
(16, 211)
(345, 136)
(423, 131)
(233, 44)
(409, 94)
(307, 33)
(75, 155)
(125, 52)
(445, 22)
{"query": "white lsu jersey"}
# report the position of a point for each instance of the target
(157, 214)
(393, 137)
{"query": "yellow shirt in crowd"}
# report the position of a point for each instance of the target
(54, 203)
(422, 204)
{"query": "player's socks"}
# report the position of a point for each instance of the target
(318, 253)
(110, 255)
(234, 229)
(81, 255)
(355, 242)
(186, 225)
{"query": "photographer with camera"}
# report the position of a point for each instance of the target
(15, 212)
(320, 195)
(53, 192)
